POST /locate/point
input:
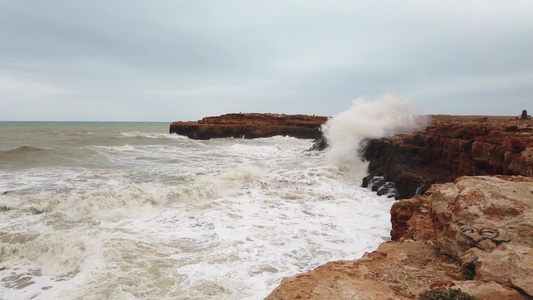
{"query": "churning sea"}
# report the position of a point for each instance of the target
(128, 211)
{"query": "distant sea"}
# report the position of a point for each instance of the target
(128, 211)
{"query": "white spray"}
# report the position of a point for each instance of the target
(383, 117)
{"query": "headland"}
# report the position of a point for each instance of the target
(251, 125)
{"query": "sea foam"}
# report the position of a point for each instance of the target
(383, 117)
(161, 218)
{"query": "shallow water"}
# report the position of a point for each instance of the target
(126, 211)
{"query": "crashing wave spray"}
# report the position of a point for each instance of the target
(383, 117)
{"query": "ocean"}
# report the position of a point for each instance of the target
(128, 211)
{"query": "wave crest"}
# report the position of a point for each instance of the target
(24, 151)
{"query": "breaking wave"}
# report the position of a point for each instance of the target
(384, 117)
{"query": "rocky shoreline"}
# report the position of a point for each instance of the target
(473, 233)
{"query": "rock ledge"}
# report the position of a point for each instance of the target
(251, 125)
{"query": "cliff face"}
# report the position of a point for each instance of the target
(475, 234)
(251, 126)
(445, 151)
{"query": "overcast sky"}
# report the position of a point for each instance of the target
(125, 60)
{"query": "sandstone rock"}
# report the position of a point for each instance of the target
(486, 223)
(251, 126)
(390, 272)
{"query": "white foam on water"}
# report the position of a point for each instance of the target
(238, 247)
(114, 202)
(220, 219)
(152, 135)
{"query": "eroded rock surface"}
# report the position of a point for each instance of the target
(251, 125)
(390, 272)
(475, 234)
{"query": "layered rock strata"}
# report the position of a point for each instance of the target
(447, 150)
(251, 125)
(475, 234)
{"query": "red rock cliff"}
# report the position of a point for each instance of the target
(447, 150)
(251, 126)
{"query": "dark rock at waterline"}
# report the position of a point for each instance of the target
(380, 185)
(366, 180)
(388, 189)
(376, 183)
(421, 190)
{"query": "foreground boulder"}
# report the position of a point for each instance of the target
(485, 223)
(251, 125)
(475, 234)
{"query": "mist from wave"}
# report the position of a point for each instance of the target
(384, 117)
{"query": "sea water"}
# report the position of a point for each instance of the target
(128, 211)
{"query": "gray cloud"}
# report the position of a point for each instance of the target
(182, 60)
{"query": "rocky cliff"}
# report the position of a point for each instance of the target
(475, 234)
(447, 150)
(251, 125)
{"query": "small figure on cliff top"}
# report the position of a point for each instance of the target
(524, 116)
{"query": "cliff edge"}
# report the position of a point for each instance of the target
(251, 125)
(447, 149)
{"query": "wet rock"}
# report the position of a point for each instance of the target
(376, 182)
(366, 180)
(379, 185)
(387, 189)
